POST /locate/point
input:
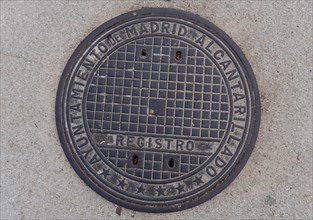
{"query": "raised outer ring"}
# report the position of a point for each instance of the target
(197, 20)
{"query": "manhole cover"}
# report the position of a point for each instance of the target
(158, 110)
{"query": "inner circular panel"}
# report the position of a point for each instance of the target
(148, 99)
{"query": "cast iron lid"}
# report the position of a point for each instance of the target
(157, 110)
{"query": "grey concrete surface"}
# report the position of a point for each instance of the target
(37, 39)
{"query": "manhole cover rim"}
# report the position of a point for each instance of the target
(255, 107)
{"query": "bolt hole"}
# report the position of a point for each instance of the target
(143, 53)
(171, 162)
(135, 159)
(178, 55)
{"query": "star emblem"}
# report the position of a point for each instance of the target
(160, 191)
(198, 180)
(140, 189)
(180, 188)
(105, 173)
(122, 183)
(189, 184)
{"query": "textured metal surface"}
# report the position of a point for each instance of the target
(157, 110)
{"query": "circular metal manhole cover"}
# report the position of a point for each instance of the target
(158, 110)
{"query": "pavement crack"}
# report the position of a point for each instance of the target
(18, 57)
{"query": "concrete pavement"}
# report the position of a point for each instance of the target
(37, 39)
